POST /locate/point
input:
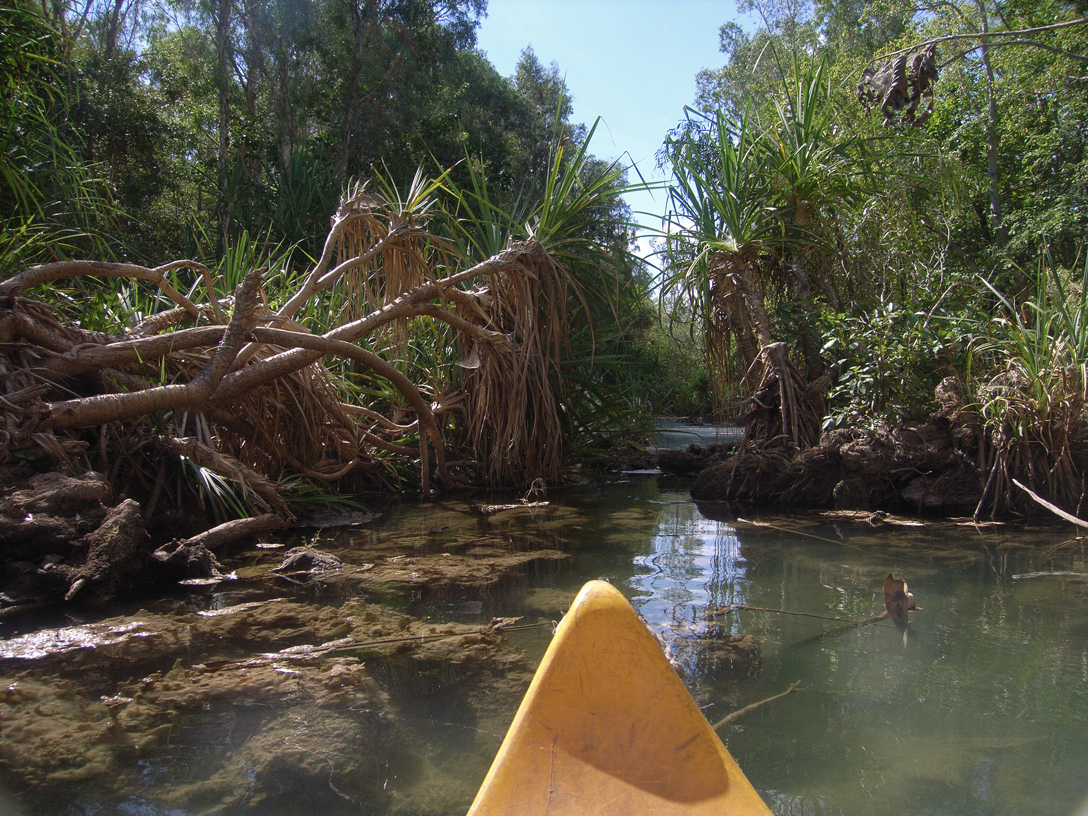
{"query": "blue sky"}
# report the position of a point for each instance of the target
(630, 62)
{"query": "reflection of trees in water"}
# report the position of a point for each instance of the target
(692, 564)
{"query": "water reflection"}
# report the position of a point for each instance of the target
(981, 710)
(693, 565)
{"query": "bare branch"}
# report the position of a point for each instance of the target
(44, 273)
(234, 530)
(111, 407)
(989, 35)
(271, 368)
(123, 352)
(1051, 507)
(317, 282)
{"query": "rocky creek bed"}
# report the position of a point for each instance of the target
(279, 672)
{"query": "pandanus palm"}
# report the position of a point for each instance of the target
(747, 219)
(522, 411)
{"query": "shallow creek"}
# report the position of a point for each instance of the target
(385, 686)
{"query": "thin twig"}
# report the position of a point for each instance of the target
(1057, 547)
(1050, 574)
(842, 630)
(740, 712)
(725, 610)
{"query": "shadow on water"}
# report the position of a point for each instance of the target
(201, 706)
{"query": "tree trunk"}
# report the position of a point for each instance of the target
(224, 9)
(1000, 233)
(113, 27)
(286, 124)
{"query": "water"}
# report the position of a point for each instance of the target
(981, 709)
(677, 434)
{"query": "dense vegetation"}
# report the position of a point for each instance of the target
(847, 258)
(844, 261)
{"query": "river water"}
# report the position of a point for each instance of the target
(981, 707)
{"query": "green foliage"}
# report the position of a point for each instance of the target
(911, 217)
(754, 213)
(50, 203)
(1043, 344)
(1028, 386)
(673, 371)
(887, 360)
(1036, 132)
(722, 195)
(30, 48)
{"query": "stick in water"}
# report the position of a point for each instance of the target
(740, 712)
(1051, 507)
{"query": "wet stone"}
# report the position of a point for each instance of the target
(265, 700)
(308, 560)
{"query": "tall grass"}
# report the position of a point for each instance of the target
(1034, 408)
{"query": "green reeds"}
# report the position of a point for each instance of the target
(1034, 408)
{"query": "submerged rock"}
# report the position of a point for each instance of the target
(730, 656)
(54, 734)
(308, 560)
(266, 699)
(58, 494)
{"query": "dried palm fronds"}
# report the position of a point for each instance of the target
(900, 83)
(268, 397)
(511, 411)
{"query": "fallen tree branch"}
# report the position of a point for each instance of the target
(234, 530)
(842, 630)
(278, 365)
(1051, 507)
(125, 352)
(44, 273)
(1051, 574)
(103, 408)
(319, 280)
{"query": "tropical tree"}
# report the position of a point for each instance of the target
(752, 221)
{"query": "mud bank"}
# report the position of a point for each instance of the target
(927, 467)
(907, 469)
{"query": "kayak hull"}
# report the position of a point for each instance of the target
(607, 727)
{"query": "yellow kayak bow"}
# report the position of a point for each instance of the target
(607, 727)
